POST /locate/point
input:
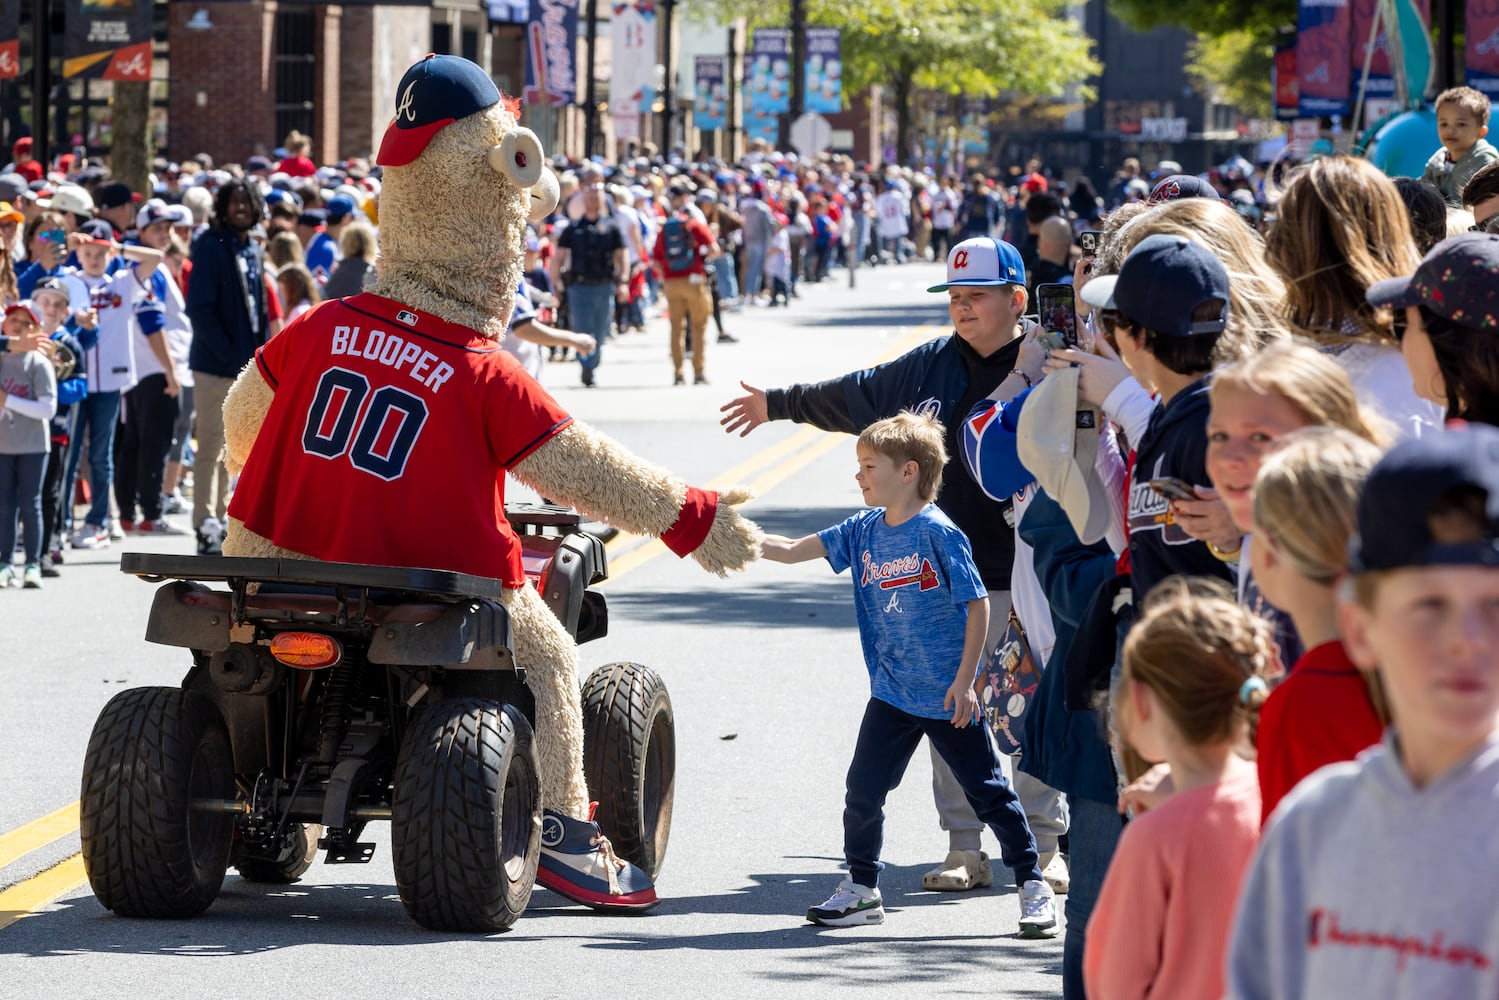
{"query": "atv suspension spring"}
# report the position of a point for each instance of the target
(336, 710)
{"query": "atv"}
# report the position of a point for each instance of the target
(326, 696)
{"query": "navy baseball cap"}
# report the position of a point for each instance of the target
(1182, 186)
(1458, 279)
(339, 206)
(1405, 488)
(432, 95)
(1161, 283)
(982, 260)
(114, 195)
(97, 231)
(313, 217)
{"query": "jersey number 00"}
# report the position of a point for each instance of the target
(377, 438)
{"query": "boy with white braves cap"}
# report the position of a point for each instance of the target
(991, 354)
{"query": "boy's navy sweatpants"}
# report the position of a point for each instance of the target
(887, 739)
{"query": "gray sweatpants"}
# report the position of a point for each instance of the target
(1045, 807)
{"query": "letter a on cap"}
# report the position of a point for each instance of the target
(432, 95)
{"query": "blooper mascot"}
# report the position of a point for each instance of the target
(378, 429)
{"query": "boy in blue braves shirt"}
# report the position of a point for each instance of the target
(923, 612)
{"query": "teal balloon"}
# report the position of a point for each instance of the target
(1403, 144)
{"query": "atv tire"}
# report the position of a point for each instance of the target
(630, 759)
(147, 852)
(466, 816)
(292, 864)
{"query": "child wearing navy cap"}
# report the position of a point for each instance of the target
(1339, 901)
(1167, 307)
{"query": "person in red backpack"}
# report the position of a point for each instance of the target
(682, 246)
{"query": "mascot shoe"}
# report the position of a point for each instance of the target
(578, 862)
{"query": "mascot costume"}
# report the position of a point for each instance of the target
(379, 428)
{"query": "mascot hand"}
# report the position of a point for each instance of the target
(733, 541)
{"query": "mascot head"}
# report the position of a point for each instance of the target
(461, 180)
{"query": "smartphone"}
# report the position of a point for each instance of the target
(1056, 310)
(1090, 240)
(53, 236)
(1174, 489)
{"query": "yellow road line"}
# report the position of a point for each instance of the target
(804, 447)
(25, 899)
(38, 833)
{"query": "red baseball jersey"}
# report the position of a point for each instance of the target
(388, 441)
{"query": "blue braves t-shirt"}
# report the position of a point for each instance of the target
(912, 585)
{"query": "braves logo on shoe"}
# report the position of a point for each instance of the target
(551, 830)
(577, 861)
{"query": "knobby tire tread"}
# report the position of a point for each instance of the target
(445, 829)
(133, 810)
(621, 702)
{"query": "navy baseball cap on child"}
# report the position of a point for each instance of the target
(1161, 283)
(432, 95)
(982, 260)
(1458, 279)
(1404, 489)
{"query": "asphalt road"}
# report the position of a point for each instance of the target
(767, 684)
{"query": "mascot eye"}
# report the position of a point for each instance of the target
(515, 155)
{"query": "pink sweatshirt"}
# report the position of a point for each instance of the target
(1162, 921)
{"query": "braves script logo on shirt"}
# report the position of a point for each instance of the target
(1324, 929)
(960, 260)
(929, 407)
(900, 572)
(1149, 511)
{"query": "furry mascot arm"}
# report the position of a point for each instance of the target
(603, 480)
(245, 407)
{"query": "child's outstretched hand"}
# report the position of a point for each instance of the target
(963, 702)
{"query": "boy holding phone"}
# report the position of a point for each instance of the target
(1167, 306)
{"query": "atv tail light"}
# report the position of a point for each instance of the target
(306, 650)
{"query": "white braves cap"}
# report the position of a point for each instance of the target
(982, 260)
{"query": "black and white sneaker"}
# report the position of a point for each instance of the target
(210, 537)
(850, 906)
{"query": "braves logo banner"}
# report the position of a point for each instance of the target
(1323, 51)
(1482, 52)
(767, 82)
(1381, 72)
(10, 39)
(824, 71)
(108, 40)
(551, 53)
(708, 112)
(1283, 81)
(632, 75)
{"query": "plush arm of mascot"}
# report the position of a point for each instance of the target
(461, 180)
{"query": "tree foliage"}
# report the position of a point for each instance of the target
(1025, 48)
(1235, 68)
(1209, 18)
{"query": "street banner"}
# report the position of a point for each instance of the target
(1482, 56)
(1283, 80)
(10, 39)
(1323, 53)
(824, 71)
(551, 53)
(632, 75)
(107, 40)
(1381, 83)
(708, 110)
(769, 71)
